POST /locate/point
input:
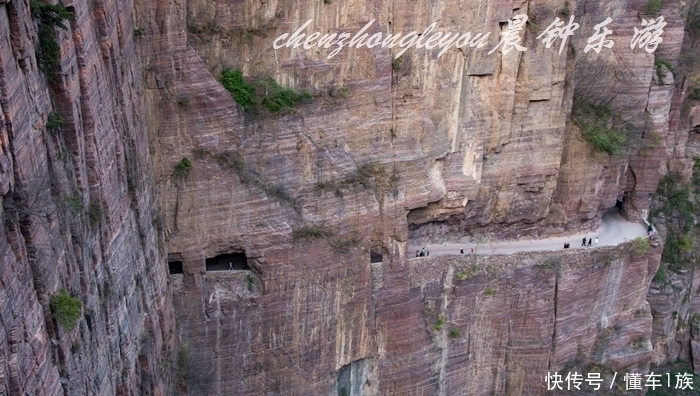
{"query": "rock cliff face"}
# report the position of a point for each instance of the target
(465, 142)
(320, 201)
(77, 205)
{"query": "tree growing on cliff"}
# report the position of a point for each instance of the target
(49, 17)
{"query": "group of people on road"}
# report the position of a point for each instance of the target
(422, 253)
(590, 240)
(587, 242)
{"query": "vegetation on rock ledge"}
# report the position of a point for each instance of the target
(653, 7)
(265, 93)
(49, 53)
(183, 167)
(594, 121)
(65, 309)
(675, 206)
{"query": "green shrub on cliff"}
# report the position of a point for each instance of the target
(95, 214)
(183, 167)
(396, 63)
(640, 246)
(242, 92)
(439, 324)
(695, 181)
(265, 92)
(311, 232)
(659, 64)
(566, 11)
(594, 120)
(276, 97)
(675, 205)
(49, 52)
(653, 7)
(65, 309)
(677, 249)
(54, 122)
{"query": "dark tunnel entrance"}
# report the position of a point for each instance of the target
(225, 262)
(175, 267)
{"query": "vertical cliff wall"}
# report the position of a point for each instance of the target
(77, 208)
(424, 147)
(319, 201)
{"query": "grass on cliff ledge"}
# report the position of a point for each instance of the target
(594, 121)
(65, 309)
(640, 246)
(311, 232)
(264, 92)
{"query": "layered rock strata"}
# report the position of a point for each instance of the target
(466, 141)
(78, 205)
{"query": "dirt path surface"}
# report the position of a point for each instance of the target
(614, 231)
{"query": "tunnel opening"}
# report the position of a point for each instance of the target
(229, 261)
(618, 203)
(376, 257)
(175, 267)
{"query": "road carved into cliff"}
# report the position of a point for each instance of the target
(614, 231)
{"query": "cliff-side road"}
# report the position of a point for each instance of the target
(614, 231)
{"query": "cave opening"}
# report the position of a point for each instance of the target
(229, 261)
(376, 257)
(175, 267)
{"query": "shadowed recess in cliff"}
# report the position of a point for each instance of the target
(175, 267)
(223, 262)
(354, 378)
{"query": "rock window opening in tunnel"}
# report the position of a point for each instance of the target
(225, 262)
(376, 257)
(175, 267)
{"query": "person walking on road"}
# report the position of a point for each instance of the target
(461, 250)
(589, 242)
(584, 242)
(230, 266)
(596, 241)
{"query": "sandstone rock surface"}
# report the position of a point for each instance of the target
(426, 148)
